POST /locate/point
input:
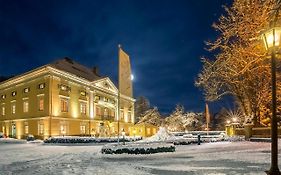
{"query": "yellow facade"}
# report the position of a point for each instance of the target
(143, 130)
(51, 101)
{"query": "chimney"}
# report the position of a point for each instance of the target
(96, 70)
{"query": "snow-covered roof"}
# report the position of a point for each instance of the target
(68, 65)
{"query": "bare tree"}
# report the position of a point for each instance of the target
(239, 67)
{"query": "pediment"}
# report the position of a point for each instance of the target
(105, 84)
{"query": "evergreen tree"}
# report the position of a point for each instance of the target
(141, 106)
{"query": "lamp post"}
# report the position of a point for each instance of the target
(271, 40)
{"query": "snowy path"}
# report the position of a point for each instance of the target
(212, 158)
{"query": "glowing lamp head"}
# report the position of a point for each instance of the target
(234, 119)
(271, 38)
(228, 121)
(132, 77)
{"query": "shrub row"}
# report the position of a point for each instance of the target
(86, 140)
(138, 150)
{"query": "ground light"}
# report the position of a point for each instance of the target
(271, 40)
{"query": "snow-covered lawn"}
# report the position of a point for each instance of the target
(206, 159)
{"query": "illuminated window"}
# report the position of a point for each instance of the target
(25, 106)
(26, 129)
(148, 131)
(3, 110)
(83, 107)
(14, 93)
(97, 98)
(41, 129)
(106, 112)
(41, 86)
(82, 129)
(26, 90)
(41, 104)
(3, 96)
(98, 110)
(13, 108)
(64, 87)
(83, 93)
(112, 113)
(64, 105)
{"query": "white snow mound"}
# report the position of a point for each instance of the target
(161, 135)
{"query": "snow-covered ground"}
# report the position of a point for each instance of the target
(207, 159)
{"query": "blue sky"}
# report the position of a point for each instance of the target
(165, 40)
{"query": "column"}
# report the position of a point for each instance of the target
(133, 113)
(91, 104)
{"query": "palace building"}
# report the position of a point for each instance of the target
(63, 98)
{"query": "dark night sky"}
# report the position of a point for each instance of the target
(165, 40)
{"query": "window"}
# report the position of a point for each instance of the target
(25, 106)
(14, 93)
(3, 96)
(105, 112)
(83, 107)
(41, 86)
(13, 108)
(41, 104)
(97, 98)
(64, 87)
(3, 110)
(63, 129)
(64, 105)
(26, 90)
(112, 113)
(82, 129)
(129, 116)
(83, 93)
(26, 129)
(41, 129)
(122, 115)
(98, 110)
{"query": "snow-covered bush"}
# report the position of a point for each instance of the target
(73, 139)
(235, 138)
(30, 137)
(140, 148)
(11, 141)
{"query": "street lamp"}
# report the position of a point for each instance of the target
(228, 121)
(123, 134)
(271, 39)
